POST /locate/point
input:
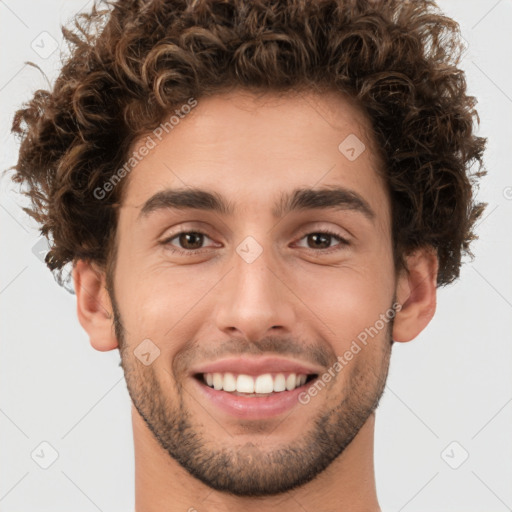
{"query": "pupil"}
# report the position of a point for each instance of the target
(321, 235)
(184, 240)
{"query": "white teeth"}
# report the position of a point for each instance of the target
(262, 384)
(279, 382)
(245, 384)
(291, 381)
(229, 382)
(217, 381)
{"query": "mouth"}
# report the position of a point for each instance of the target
(253, 397)
(266, 384)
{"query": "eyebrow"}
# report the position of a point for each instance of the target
(334, 197)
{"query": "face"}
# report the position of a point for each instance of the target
(276, 283)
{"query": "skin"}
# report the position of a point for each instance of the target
(295, 300)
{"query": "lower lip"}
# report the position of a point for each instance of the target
(253, 408)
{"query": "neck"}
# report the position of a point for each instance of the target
(348, 484)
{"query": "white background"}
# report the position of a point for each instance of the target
(453, 383)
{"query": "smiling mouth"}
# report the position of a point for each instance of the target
(262, 385)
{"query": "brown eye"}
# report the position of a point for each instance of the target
(189, 241)
(321, 240)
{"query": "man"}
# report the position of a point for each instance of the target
(258, 199)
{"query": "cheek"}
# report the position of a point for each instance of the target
(349, 301)
(155, 301)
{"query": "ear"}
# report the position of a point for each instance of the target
(416, 292)
(94, 308)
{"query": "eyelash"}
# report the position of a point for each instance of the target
(194, 252)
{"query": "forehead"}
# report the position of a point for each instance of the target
(252, 150)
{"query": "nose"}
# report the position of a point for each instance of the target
(255, 299)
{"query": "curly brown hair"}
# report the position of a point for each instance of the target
(133, 62)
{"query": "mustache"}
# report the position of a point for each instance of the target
(318, 353)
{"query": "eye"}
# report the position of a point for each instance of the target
(191, 241)
(322, 238)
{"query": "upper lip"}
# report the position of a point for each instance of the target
(257, 366)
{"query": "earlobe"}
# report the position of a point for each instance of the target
(94, 308)
(416, 292)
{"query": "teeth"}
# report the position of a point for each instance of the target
(217, 381)
(229, 383)
(279, 382)
(262, 384)
(244, 384)
(291, 380)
